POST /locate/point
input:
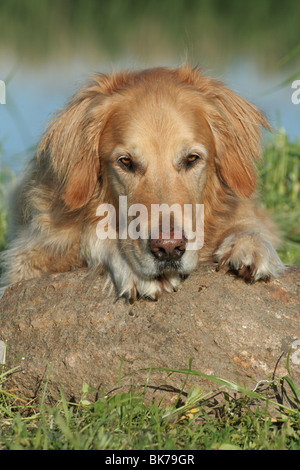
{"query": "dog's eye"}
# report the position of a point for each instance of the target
(125, 162)
(192, 159)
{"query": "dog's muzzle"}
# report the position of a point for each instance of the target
(168, 248)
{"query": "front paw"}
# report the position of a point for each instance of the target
(149, 288)
(249, 255)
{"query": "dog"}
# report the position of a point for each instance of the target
(157, 136)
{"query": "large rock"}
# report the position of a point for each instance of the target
(63, 328)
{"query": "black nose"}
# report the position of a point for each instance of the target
(167, 249)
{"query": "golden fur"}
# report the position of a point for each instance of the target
(156, 118)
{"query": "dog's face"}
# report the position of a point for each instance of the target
(156, 148)
(164, 136)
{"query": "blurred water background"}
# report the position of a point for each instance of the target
(48, 48)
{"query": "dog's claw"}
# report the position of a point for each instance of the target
(157, 295)
(133, 294)
(222, 263)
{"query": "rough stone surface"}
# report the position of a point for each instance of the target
(64, 329)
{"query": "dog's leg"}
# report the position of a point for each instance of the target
(249, 254)
(247, 242)
(29, 256)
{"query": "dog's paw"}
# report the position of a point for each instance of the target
(250, 256)
(150, 288)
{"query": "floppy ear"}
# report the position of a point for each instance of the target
(71, 144)
(237, 132)
(236, 125)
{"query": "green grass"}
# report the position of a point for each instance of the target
(219, 420)
(6, 177)
(280, 192)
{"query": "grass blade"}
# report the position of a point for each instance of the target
(231, 385)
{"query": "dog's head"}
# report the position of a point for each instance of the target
(155, 137)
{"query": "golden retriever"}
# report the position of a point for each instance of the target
(158, 136)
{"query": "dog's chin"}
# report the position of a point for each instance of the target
(154, 269)
(165, 268)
